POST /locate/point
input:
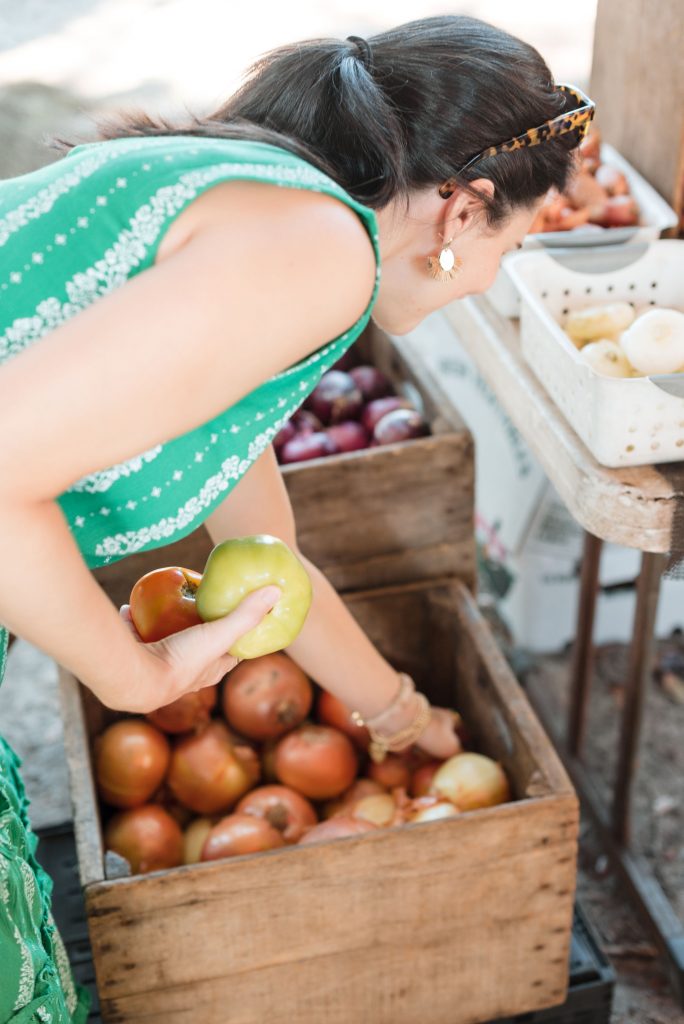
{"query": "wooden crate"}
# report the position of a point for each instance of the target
(453, 922)
(374, 517)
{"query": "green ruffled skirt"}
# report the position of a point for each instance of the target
(36, 986)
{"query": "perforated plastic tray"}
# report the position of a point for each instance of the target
(623, 422)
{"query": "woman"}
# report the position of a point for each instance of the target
(168, 299)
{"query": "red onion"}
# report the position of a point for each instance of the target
(371, 382)
(349, 436)
(335, 398)
(400, 425)
(374, 411)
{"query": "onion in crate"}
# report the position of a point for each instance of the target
(655, 342)
(606, 358)
(378, 408)
(598, 322)
(371, 382)
(305, 422)
(335, 398)
(349, 436)
(285, 434)
(307, 446)
(400, 425)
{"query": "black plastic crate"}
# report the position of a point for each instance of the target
(592, 979)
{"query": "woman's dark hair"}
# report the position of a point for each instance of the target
(403, 112)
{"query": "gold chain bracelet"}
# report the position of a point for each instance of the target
(381, 745)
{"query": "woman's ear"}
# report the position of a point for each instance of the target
(464, 209)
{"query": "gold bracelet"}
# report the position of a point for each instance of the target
(381, 745)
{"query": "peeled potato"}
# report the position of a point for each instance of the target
(599, 322)
(655, 342)
(606, 358)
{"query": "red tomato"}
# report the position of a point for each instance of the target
(163, 602)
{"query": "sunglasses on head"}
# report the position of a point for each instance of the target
(578, 120)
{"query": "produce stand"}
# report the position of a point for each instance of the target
(638, 507)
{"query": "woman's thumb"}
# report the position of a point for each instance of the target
(222, 633)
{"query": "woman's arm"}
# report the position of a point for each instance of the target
(157, 357)
(331, 648)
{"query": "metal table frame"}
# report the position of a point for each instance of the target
(635, 507)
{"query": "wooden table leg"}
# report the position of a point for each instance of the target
(583, 650)
(638, 678)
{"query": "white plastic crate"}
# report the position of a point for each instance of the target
(623, 422)
(656, 216)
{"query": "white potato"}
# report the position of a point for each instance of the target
(655, 342)
(606, 358)
(598, 322)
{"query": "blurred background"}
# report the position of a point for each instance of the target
(63, 61)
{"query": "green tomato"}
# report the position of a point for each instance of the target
(237, 567)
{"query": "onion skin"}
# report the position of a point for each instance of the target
(380, 809)
(331, 711)
(345, 803)
(421, 780)
(394, 771)
(303, 447)
(335, 398)
(131, 760)
(266, 697)
(284, 809)
(194, 838)
(147, 837)
(208, 774)
(317, 761)
(471, 781)
(191, 711)
(435, 812)
(239, 834)
(337, 828)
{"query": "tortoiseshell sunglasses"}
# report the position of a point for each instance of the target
(578, 119)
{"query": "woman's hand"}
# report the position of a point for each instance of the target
(196, 657)
(439, 738)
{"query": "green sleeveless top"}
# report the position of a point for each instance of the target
(83, 226)
(70, 233)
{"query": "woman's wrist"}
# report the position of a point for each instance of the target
(401, 723)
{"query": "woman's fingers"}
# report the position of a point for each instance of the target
(125, 613)
(211, 641)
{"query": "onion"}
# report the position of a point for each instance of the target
(266, 697)
(331, 711)
(348, 436)
(307, 446)
(379, 809)
(208, 773)
(191, 711)
(194, 837)
(654, 343)
(371, 382)
(285, 434)
(317, 761)
(470, 781)
(238, 834)
(435, 812)
(421, 781)
(598, 322)
(400, 425)
(147, 837)
(394, 771)
(305, 422)
(606, 358)
(284, 809)
(375, 410)
(336, 828)
(335, 398)
(348, 800)
(131, 758)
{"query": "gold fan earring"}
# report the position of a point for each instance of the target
(445, 266)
